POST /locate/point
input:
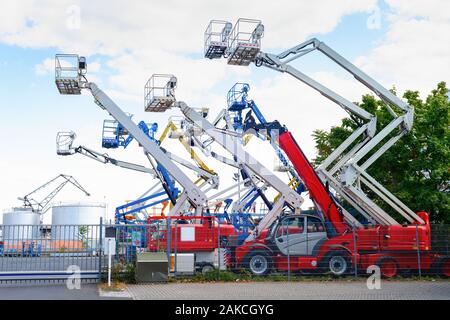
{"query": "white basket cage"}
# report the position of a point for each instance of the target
(217, 38)
(245, 41)
(159, 92)
(69, 73)
(64, 141)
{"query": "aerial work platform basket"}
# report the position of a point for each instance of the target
(64, 141)
(216, 39)
(237, 96)
(69, 73)
(159, 92)
(245, 41)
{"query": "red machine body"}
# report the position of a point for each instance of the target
(204, 234)
(393, 248)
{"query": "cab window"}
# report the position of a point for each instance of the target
(315, 225)
(290, 226)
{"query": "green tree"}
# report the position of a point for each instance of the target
(416, 169)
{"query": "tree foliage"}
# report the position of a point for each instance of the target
(416, 169)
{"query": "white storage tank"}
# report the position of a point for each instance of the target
(20, 225)
(75, 226)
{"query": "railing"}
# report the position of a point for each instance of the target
(298, 246)
(49, 252)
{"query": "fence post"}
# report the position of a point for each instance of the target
(355, 252)
(175, 242)
(109, 262)
(288, 252)
(100, 252)
(168, 240)
(218, 243)
(418, 251)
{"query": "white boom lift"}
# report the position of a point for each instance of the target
(70, 79)
(64, 147)
(229, 141)
(344, 170)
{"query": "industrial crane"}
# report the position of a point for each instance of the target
(41, 206)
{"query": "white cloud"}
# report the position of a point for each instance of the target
(177, 26)
(45, 67)
(146, 37)
(414, 53)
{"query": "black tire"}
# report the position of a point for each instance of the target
(207, 268)
(389, 267)
(338, 263)
(442, 267)
(259, 263)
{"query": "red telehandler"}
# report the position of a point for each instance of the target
(325, 242)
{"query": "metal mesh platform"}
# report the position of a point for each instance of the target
(215, 50)
(245, 42)
(159, 104)
(69, 72)
(159, 93)
(68, 86)
(216, 39)
(243, 54)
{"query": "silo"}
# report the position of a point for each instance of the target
(75, 226)
(20, 227)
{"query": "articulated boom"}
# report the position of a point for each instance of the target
(345, 170)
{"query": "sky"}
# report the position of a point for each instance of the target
(401, 43)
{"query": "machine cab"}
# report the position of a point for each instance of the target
(299, 234)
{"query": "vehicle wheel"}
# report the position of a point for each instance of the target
(338, 263)
(443, 267)
(207, 268)
(388, 267)
(259, 263)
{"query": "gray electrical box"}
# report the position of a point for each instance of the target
(152, 267)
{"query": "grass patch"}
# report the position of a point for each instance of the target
(245, 276)
(116, 286)
(121, 272)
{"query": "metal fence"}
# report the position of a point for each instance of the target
(294, 247)
(50, 253)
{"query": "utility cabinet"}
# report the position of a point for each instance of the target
(152, 267)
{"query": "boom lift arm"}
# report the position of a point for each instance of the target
(64, 142)
(65, 148)
(346, 175)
